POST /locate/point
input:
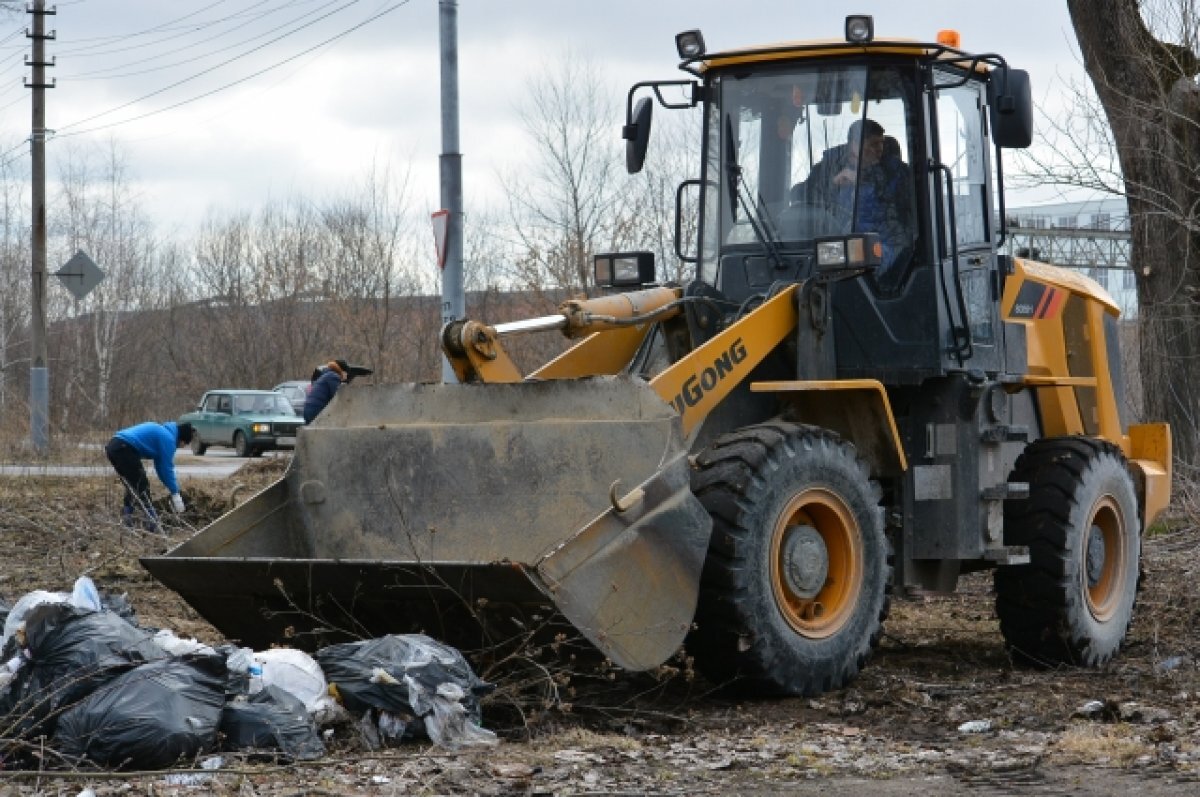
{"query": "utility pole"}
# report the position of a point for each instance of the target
(39, 370)
(454, 305)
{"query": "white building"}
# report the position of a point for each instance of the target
(1091, 236)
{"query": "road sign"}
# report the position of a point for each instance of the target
(80, 274)
(441, 223)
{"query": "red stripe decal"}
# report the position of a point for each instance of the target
(1047, 295)
(1050, 310)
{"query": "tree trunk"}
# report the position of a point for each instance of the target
(1152, 102)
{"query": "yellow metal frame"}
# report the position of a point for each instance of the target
(1050, 356)
(1051, 359)
(857, 409)
(695, 385)
(1150, 456)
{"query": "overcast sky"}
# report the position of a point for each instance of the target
(225, 104)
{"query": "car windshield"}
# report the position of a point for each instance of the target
(806, 152)
(268, 404)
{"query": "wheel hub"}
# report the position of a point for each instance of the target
(805, 561)
(1095, 556)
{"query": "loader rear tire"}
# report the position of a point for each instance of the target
(795, 585)
(1073, 602)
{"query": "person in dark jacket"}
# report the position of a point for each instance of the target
(326, 380)
(866, 179)
(153, 441)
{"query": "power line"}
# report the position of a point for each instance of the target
(106, 72)
(203, 72)
(231, 84)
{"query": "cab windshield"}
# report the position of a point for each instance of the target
(807, 152)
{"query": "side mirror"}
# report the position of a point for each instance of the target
(1011, 101)
(637, 135)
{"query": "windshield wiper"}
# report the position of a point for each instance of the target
(739, 194)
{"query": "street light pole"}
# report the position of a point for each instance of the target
(450, 165)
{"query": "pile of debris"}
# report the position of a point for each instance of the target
(84, 680)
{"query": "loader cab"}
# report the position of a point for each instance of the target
(896, 138)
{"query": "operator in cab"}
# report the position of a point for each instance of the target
(865, 181)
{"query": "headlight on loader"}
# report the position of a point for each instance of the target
(624, 269)
(848, 255)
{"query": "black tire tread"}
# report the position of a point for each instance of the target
(727, 476)
(1034, 601)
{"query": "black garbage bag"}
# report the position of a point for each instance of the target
(120, 606)
(149, 717)
(71, 652)
(409, 677)
(271, 719)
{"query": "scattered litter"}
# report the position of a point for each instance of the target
(1098, 710)
(77, 669)
(85, 595)
(1168, 664)
(15, 621)
(576, 757)
(399, 679)
(514, 771)
(975, 726)
(176, 646)
(297, 672)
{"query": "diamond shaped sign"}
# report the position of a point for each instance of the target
(80, 274)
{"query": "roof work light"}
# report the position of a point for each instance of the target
(860, 28)
(690, 44)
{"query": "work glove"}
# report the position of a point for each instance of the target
(177, 503)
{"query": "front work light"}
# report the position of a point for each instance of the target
(848, 255)
(624, 269)
(690, 44)
(860, 28)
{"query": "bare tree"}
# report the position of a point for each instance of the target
(99, 214)
(14, 275)
(1139, 136)
(565, 205)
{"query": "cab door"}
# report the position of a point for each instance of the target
(969, 281)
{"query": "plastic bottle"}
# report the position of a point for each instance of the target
(256, 679)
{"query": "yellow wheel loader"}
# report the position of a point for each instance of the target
(856, 396)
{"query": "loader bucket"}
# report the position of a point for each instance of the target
(476, 513)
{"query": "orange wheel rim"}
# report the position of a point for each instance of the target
(817, 610)
(1104, 570)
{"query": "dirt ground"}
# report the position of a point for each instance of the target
(940, 708)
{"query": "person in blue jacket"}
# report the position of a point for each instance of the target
(326, 380)
(153, 441)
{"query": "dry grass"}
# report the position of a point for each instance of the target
(1113, 745)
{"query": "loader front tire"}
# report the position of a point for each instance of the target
(795, 585)
(1073, 602)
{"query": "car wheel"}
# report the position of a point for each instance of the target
(198, 446)
(240, 446)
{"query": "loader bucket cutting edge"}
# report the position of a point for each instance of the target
(471, 512)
